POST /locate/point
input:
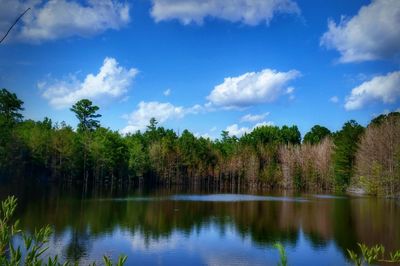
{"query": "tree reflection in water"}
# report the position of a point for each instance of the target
(156, 217)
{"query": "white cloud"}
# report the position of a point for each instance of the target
(250, 12)
(253, 118)
(55, 19)
(162, 112)
(374, 33)
(10, 10)
(205, 136)
(167, 92)
(141, 243)
(235, 130)
(112, 81)
(252, 88)
(380, 88)
(211, 134)
(334, 99)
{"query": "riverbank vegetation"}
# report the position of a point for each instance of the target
(268, 157)
(369, 255)
(33, 246)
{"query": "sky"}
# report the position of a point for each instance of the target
(204, 65)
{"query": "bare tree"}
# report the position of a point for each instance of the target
(307, 166)
(378, 158)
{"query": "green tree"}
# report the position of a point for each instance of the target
(36, 137)
(290, 135)
(10, 107)
(264, 135)
(346, 144)
(316, 134)
(187, 147)
(384, 117)
(62, 144)
(152, 124)
(153, 132)
(109, 154)
(138, 156)
(85, 111)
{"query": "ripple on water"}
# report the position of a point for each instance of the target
(320, 196)
(233, 198)
(211, 198)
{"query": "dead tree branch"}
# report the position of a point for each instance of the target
(15, 22)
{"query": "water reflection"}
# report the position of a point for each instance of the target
(233, 198)
(172, 228)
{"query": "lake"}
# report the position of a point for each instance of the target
(189, 227)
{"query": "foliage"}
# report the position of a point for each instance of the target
(373, 255)
(384, 117)
(316, 134)
(297, 178)
(85, 111)
(369, 255)
(269, 156)
(273, 135)
(108, 262)
(33, 251)
(10, 107)
(282, 254)
(346, 145)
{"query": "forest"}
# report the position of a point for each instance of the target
(271, 157)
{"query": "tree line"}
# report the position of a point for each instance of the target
(268, 157)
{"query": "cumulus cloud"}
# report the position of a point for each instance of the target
(204, 136)
(252, 88)
(374, 33)
(385, 89)
(10, 10)
(250, 12)
(235, 130)
(253, 118)
(55, 19)
(162, 112)
(112, 81)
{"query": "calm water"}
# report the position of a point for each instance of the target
(169, 227)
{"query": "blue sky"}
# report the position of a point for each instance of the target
(225, 64)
